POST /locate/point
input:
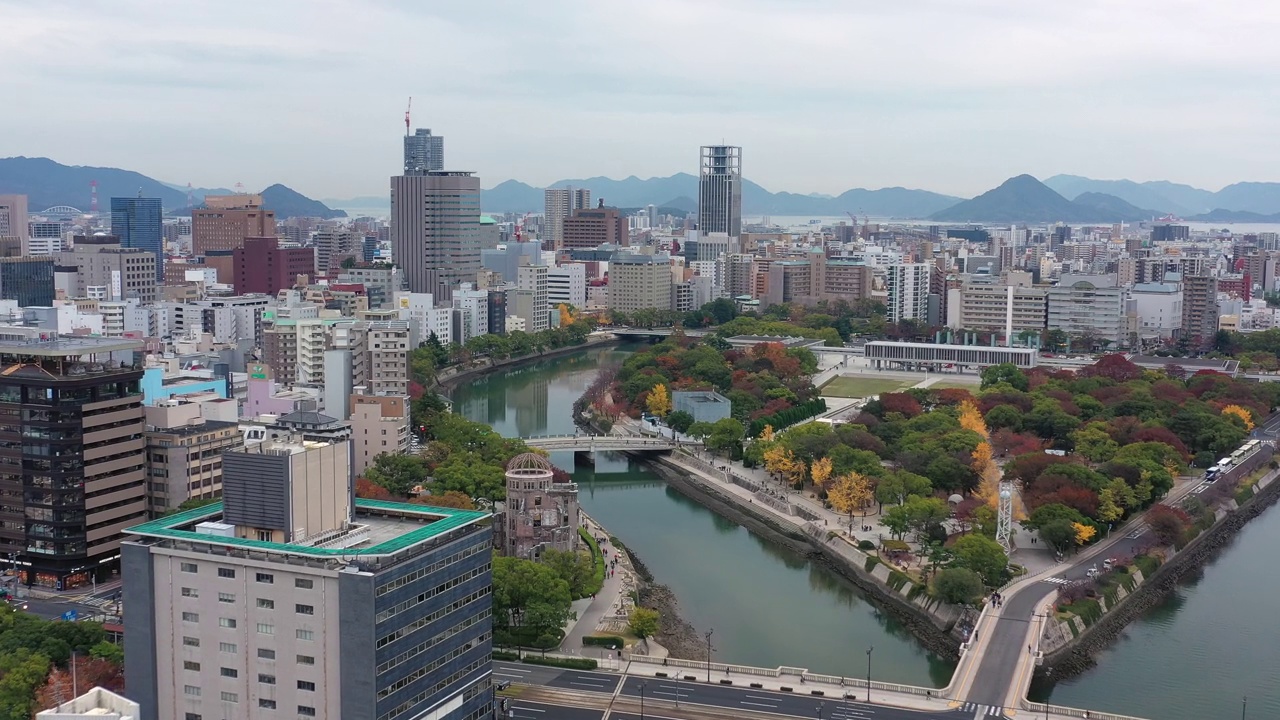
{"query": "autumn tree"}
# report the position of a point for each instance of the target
(820, 471)
(659, 400)
(1084, 533)
(447, 499)
(643, 622)
(61, 686)
(779, 461)
(370, 491)
(1239, 412)
(848, 493)
(1167, 523)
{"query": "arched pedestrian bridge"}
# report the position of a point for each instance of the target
(593, 443)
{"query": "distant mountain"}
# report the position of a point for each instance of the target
(289, 203)
(1218, 215)
(47, 183)
(199, 194)
(1024, 199)
(683, 203)
(1256, 197)
(363, 201)
(1167, 197)
(515, 196)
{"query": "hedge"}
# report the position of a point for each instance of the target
(613, 642)
(788, 417)
(571, 663)
(871, 563)
(504, 655)
(597, 578)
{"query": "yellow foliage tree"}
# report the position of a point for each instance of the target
(1084, 533)
(820, 471)
(767, 434)
(659, 401)
(1240, 412)
(971, 419)
(849, 493)
(780, 461)
(566, 317)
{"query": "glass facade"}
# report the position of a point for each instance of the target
(138, 224)
(28, 281)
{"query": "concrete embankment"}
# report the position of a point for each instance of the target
(1076, 654)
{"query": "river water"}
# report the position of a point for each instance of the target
(1194, 657)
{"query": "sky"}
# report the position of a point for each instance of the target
(823, 95)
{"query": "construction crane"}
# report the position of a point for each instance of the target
(406, 116)
(520, 227)
(852, 217)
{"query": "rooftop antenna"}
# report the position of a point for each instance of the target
(406, 116)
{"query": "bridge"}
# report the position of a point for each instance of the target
(606, 443)
(61, 211)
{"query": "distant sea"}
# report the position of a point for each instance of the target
(355, 212)
(803, 223)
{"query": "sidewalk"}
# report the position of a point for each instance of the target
(611, 601)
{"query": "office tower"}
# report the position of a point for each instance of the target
(1199, 309)
(1164, 232)
(226, 220)
(262, 266)
(567, 285)
(183, 453)
(379, 424)
(560, 203)
(435, 230)
(593, 227)
(423, 152)
(720, 190)
(291, 599)
(651, 213)
(531, 297)
(640, 282)
(332, 246)
(507, 259)
(76, 478)
(1088, 305)
(105, 270)
(27, 280)
(137, 222)
(13, 220)
(44, 238)
(908, 291)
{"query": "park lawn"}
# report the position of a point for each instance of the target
(949, 384)
(860, 387)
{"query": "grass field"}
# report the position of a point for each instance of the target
(860, 387)
(956, 384)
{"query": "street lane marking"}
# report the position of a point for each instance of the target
(1059, 580)
(756, 704)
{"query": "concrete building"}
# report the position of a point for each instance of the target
(423, 152)
(379, 424)
(381, 282)
(1089, 305)
(97, 704)
(1199, 309)
(720, 190)
(471, 316)
(531, 298)
(559, 204)
(388, 360)
(592, 227)
(45, 238)
(74, 477)
(703, 405)
(121, 273)
(263, 266)
(907, 285)
(539, 513)
(909, 355)
(435, 230)
(1157, 308)
(27, 280)
(993, 307)
(13, 221)
(567, 285)
(184, 453)
(289, 598)
(331, 245)
(507, 259)
(226, 220)
(138, 223)
(639, 282)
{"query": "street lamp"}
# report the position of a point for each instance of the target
(1048, 673)
(642, 684)
(1244, 706)
(869, 672)
(709, 654)
(820, 706)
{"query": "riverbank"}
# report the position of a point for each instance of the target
(452, 376)
(1077, 655)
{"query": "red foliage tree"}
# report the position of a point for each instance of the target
(90, 673)
(1115, 367)
(1160, 435)
(1007, 443)
(1021, 401)
(449, 499)
(1123, 429)
(369, 491)
(1167, 523)
(951, 396)
(1028, 467)
(902, 403)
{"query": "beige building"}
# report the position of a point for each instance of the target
(108, 271)
(184, 454)
(227, 220)
(379, 424)
(388, 363)
(639, 282)
(985, 306)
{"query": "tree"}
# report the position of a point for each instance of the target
(109, 651)
(897, 521)
(680, 421)
(1051, 512)
(658, 402)
(1167, 523)
(984, 556)
(575, 568)
(61, 686)
(21, 672)
(726, 433)
(1058, 534)
(368, 490)
(848, 493)
(1084, 533)
(924, 514)
(1004, 416)
(643, 622)
(700, 429)
(447, 499)
(1093, 442)
(397, 474)
(958, 586)
(529, 600)
(1240, 413)
(820, 471)
(1004, 374)
(897, 486)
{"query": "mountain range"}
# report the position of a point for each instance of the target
(1246, 199)
(1024, 199)
(47, 183)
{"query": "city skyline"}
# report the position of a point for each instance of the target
(831, 95)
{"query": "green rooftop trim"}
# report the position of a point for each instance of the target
(442, 521)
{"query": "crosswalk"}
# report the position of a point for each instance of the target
(1058, 580)
(982, 711)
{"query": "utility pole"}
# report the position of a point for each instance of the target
(642, 684)
(869, 673)
(1244, 707)
(709, 654)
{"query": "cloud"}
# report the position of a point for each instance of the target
(824, 95)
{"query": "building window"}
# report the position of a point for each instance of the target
(305, 609)
(266, 629)
(305, 635)
(306, 710)
(190, 641)
(267, 679)
(266, 654)
(230, 697)
(227, 622)
(306, 660)
(266, 578)
(189, 567)
(226, 573)
(190, 617)
(306, 685)
(229, 672)
(193, 716)
(193, 666)
(266, 604)
(227, 648)
(266, 704)
(190, 592)
(304, 583)
(226, 597)
(191, 690)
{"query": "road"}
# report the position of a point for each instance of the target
(86, 605)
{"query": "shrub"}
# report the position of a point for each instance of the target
(1244, 496)
(957, 586)
(612, 642)
(871, 563)
(504, 655)
(898, 579)
(1147, 564)
(597, 578)
(866, 546)
(571, 663)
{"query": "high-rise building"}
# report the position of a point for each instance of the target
(184, 453)
(44, 238)
(1166, 232)
(75, 477)
(567, 285)
(423, 152)
(27, 280)
(1088, 306)
(138, 223)
(720, 190)
(593, 227)
(13, 220)
(379, 424)
(105, 269)
(560, 203)
(640, 282)
(333, 244)
(1199, 309)
(388, 359)
(226, 220)
(290, 598)
(435, 230)
(908, 291)
(262, 266)
(531, 297)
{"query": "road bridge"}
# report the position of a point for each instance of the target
(606, 443)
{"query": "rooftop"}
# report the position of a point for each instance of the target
(67, 346)
(193, 429)
(390, 526)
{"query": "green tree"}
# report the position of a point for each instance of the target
(21, 673)
(1004, 374)
(108, 651)
(1059, 534)
(575, 568)
(958, 586)
(726, 433)
(845, 459)
(1004, 416)
(529, 600)
(1050, 512)
(398, 474)
(897, 520)
(926, 513)
(679, 421)
(469, 474)
(1094, 443)
(983, 556)
(643, 622)
(701, 429)
(897, 486)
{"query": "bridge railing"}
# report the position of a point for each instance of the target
(1038, 708)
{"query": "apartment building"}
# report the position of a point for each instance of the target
(184, 454)
(997, 308)
(1089, 305)
(388, 358)
(639, 282)
(226, 220)
(379, 424)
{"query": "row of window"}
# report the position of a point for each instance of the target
(425, 620)
(428, 594)
(265, 578)
(427, 644)
(426, 570)
(262, 628)
(228, 598)
(265, 704)
(446, 682)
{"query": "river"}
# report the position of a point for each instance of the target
(766, 605)
(1193, 657)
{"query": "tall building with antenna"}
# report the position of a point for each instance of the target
(720, 190)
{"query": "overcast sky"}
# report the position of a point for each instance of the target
(823, 95)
